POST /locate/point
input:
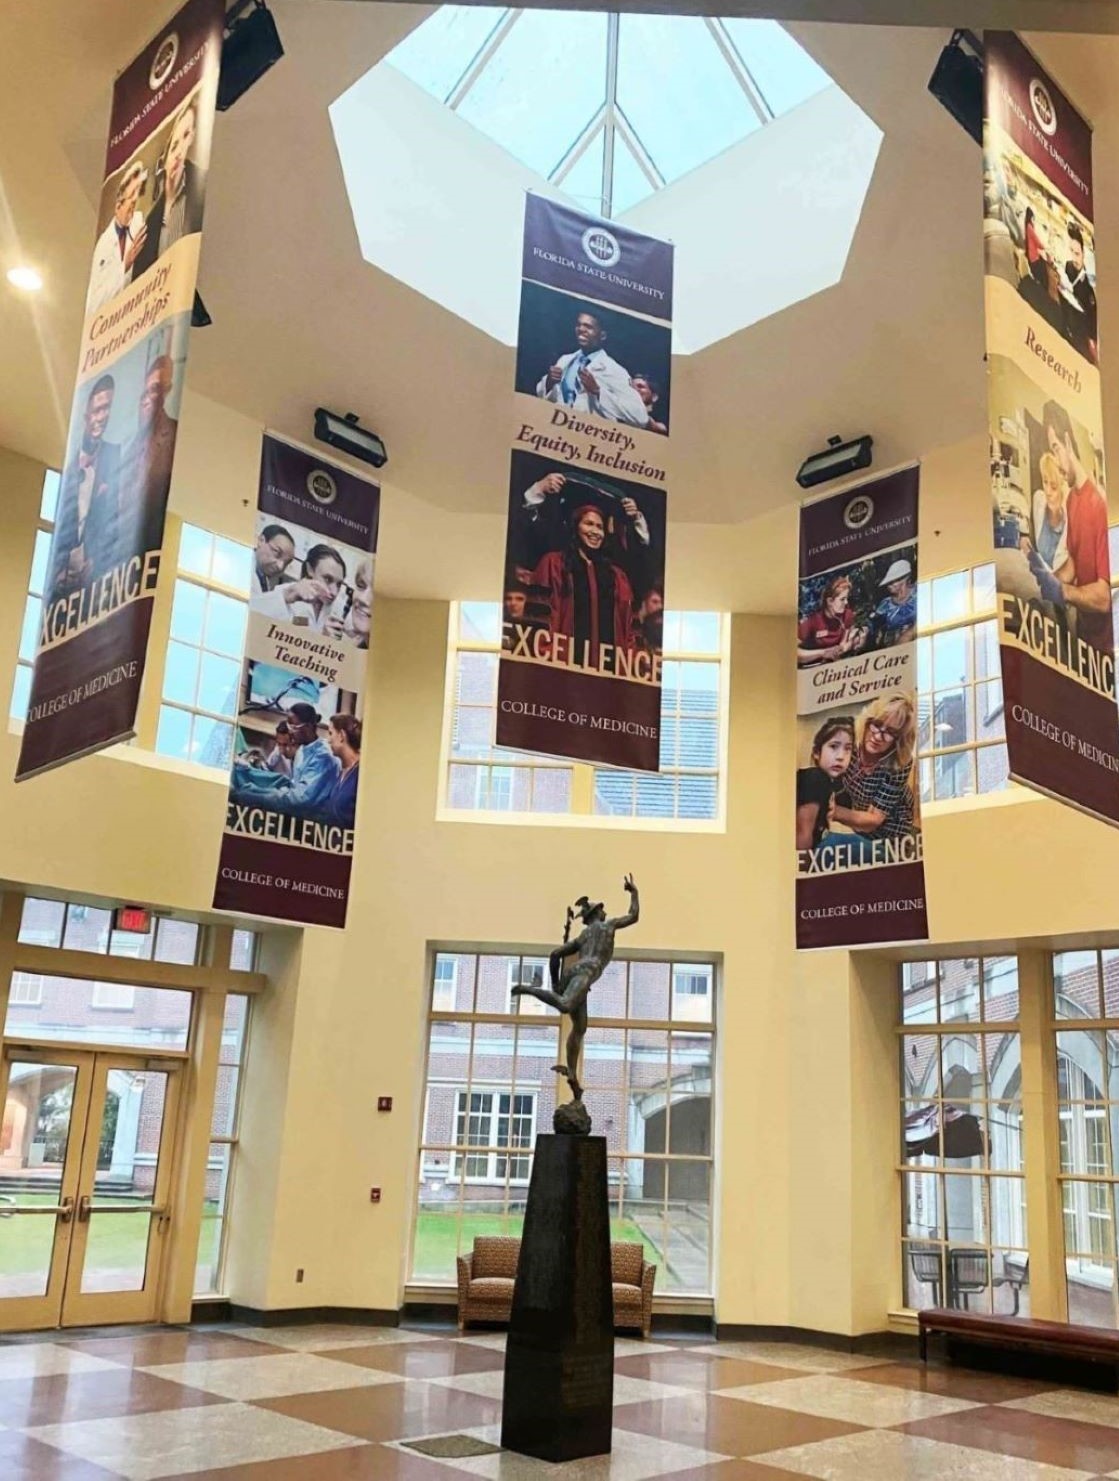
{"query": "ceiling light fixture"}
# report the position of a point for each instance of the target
(251, 45)
(345, 434)
(25, 278)
(837, 460)
(957, 81)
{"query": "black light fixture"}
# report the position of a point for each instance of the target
(957, 81)
(345, 434)
(251, 45)
(837, 460)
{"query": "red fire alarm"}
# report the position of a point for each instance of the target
(384, 1103)
(134, 919)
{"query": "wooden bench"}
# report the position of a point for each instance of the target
(1020, 1334)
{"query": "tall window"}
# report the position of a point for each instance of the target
(961, 737)
(202, 676)
(963, 1192)
(214, 1237)
(648, 1061)
(33, 607)
(477, 777)
(1086, 993)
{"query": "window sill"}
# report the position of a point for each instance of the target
(581, 820)
(138, 756)
(1009, 796)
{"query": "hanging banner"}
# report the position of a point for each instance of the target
(1052, 568)
(860, 875)
(116, 474)
(583, 606)
(288, 844)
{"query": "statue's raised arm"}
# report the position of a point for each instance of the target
(630, 918)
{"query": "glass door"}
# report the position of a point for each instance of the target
(86, 1151)
(123, 1211)
(45, 1095)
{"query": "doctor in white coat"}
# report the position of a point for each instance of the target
(589, 380)
(119, 244)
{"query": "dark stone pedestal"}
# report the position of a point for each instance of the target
(559, 1359)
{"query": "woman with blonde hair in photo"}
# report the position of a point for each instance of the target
(1050, 514)
(879, 780)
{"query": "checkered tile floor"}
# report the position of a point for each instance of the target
(336, 1403)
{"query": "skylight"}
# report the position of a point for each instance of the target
(608, 108)
(690, 129)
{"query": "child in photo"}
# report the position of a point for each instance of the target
(819, 786)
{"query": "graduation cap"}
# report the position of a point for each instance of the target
(580, 490)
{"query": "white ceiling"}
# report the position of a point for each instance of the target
(300, 319)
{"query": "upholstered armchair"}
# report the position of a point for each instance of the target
(632, 1280)
(486, 1276)
(485, 1280)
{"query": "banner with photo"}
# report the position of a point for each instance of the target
(120, 448)
(583, 603)
(288, 844)
(1049, 506)
(860, 870)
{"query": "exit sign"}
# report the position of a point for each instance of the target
(132, 918)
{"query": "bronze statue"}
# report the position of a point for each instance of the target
(592, 949)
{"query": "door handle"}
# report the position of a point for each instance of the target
(83, 1209)
(65, 1210)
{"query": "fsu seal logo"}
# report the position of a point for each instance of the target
(321, 486)
(858, 512)
(1042, 105)
(165, 54)
(601, 246)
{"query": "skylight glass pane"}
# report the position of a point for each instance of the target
(675, 88)
(542, 87)
(583, 182)
(631, 184)
(438, 52)
(780, 66)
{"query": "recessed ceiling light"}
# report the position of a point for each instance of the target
(26, 278)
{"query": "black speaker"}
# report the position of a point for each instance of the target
(957, 82)
(252, 44)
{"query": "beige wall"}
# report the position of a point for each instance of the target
(807, 1215)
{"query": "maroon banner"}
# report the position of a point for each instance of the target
(288, 844)
(859, 848)
(583, 608)
(1052, 563)
(120, 448)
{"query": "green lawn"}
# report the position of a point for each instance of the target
(116, 1243)
(433, 1255)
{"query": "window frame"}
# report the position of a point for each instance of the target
(441, 1155)
(210, 585)
(931, 757)
(1087, 1115)
(43, 526)
(581, 812)
(445, 988)
(21, 980)
(998, 1189)
(109, 997)
(231, 1140)
(528, 1004)
(464, 1151)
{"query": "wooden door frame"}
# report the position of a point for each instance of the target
(102, 1308)
(33, 1313)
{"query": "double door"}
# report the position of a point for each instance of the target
(86, 1150)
